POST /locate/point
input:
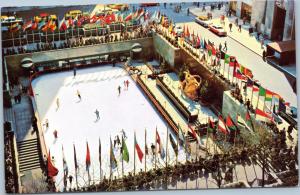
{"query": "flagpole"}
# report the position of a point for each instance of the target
(167, 147)
(145, 150)
(122, 157)
(224, 68)
(76, 177)
(206, 144)
(177, 137)
(100, 160)
(111, 151)
(228, 71)
(155, 152)
(134, 154)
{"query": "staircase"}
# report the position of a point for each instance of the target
(29, 154)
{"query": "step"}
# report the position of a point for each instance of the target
(29, 163)
(33, 146)
(26, 141)
(28, 151)
(31, 157)
(30, 168)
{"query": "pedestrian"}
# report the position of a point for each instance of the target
(203, 7)
(78, 94)
(153, 148)
(74, 71)
(55, 134)
(220, 47)
(240, 28)
(119, 89)
(118, 140)
(70, 180)
(290, 129)
(97, 115)
(188, 11)
(57, 103)
(225, 46)
(262, 43)
(230, 26)
(264, 55)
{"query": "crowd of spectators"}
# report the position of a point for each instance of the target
(138, 32)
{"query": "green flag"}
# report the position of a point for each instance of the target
(209, 52)
(227, 58)
(125, 153)
(262, 91)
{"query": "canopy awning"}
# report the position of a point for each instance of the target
(283, 46)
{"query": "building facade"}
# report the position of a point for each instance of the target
(274, 18)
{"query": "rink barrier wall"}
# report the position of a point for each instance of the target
(157, 105)
(179, 105)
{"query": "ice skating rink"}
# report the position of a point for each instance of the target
(75, 120)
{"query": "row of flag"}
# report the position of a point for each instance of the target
(52, 24)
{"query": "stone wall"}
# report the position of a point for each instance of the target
(13, 61)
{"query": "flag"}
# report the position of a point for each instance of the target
(239, 75)
(269, 95)
(230, 124)
(181, 135)
(209, 50)
(161, 148)
(226, 58)
(255, 87)
(232, 61)
(262, 91)
(41, 24)
(125, 153)
(113, 161)
(62, 25)
(138, 150)
(205, 45)
(213, 50)
(249, 82)
(211, 125)
(128, 17)
(34, 26)
(249, 120)
(222, 125)
(246, 71)
(15, 27)
(263, 116)
(65, 165)
(52, 170)
(52, 26)
(88, 157)
(75, 158)
(187, 32)
(173, 144)
(27, 25)
(195, 135)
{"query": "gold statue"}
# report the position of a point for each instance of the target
(190, 85)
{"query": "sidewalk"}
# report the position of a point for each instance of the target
(244, 38)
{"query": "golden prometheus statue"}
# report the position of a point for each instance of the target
(190, 85)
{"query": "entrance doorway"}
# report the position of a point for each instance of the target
(278, 23)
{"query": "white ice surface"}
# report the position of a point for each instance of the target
(75, 120)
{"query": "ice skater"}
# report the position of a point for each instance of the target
(55, 134)
(97, 115)
(57, 103)
(78, 94)
(74, 71)
(119, 89)
(127, 84)
(46, 123)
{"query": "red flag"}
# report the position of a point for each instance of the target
(138, 149)
(229, 123)
(222, 125)
(195, 135)
(88, 157)
(52, 171)
(263, 116)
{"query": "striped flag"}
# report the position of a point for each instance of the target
(161, 148)
(113, 161)
(52, 170)
(195, 135)
(173, 144)
(138, 149)
(222, 125)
